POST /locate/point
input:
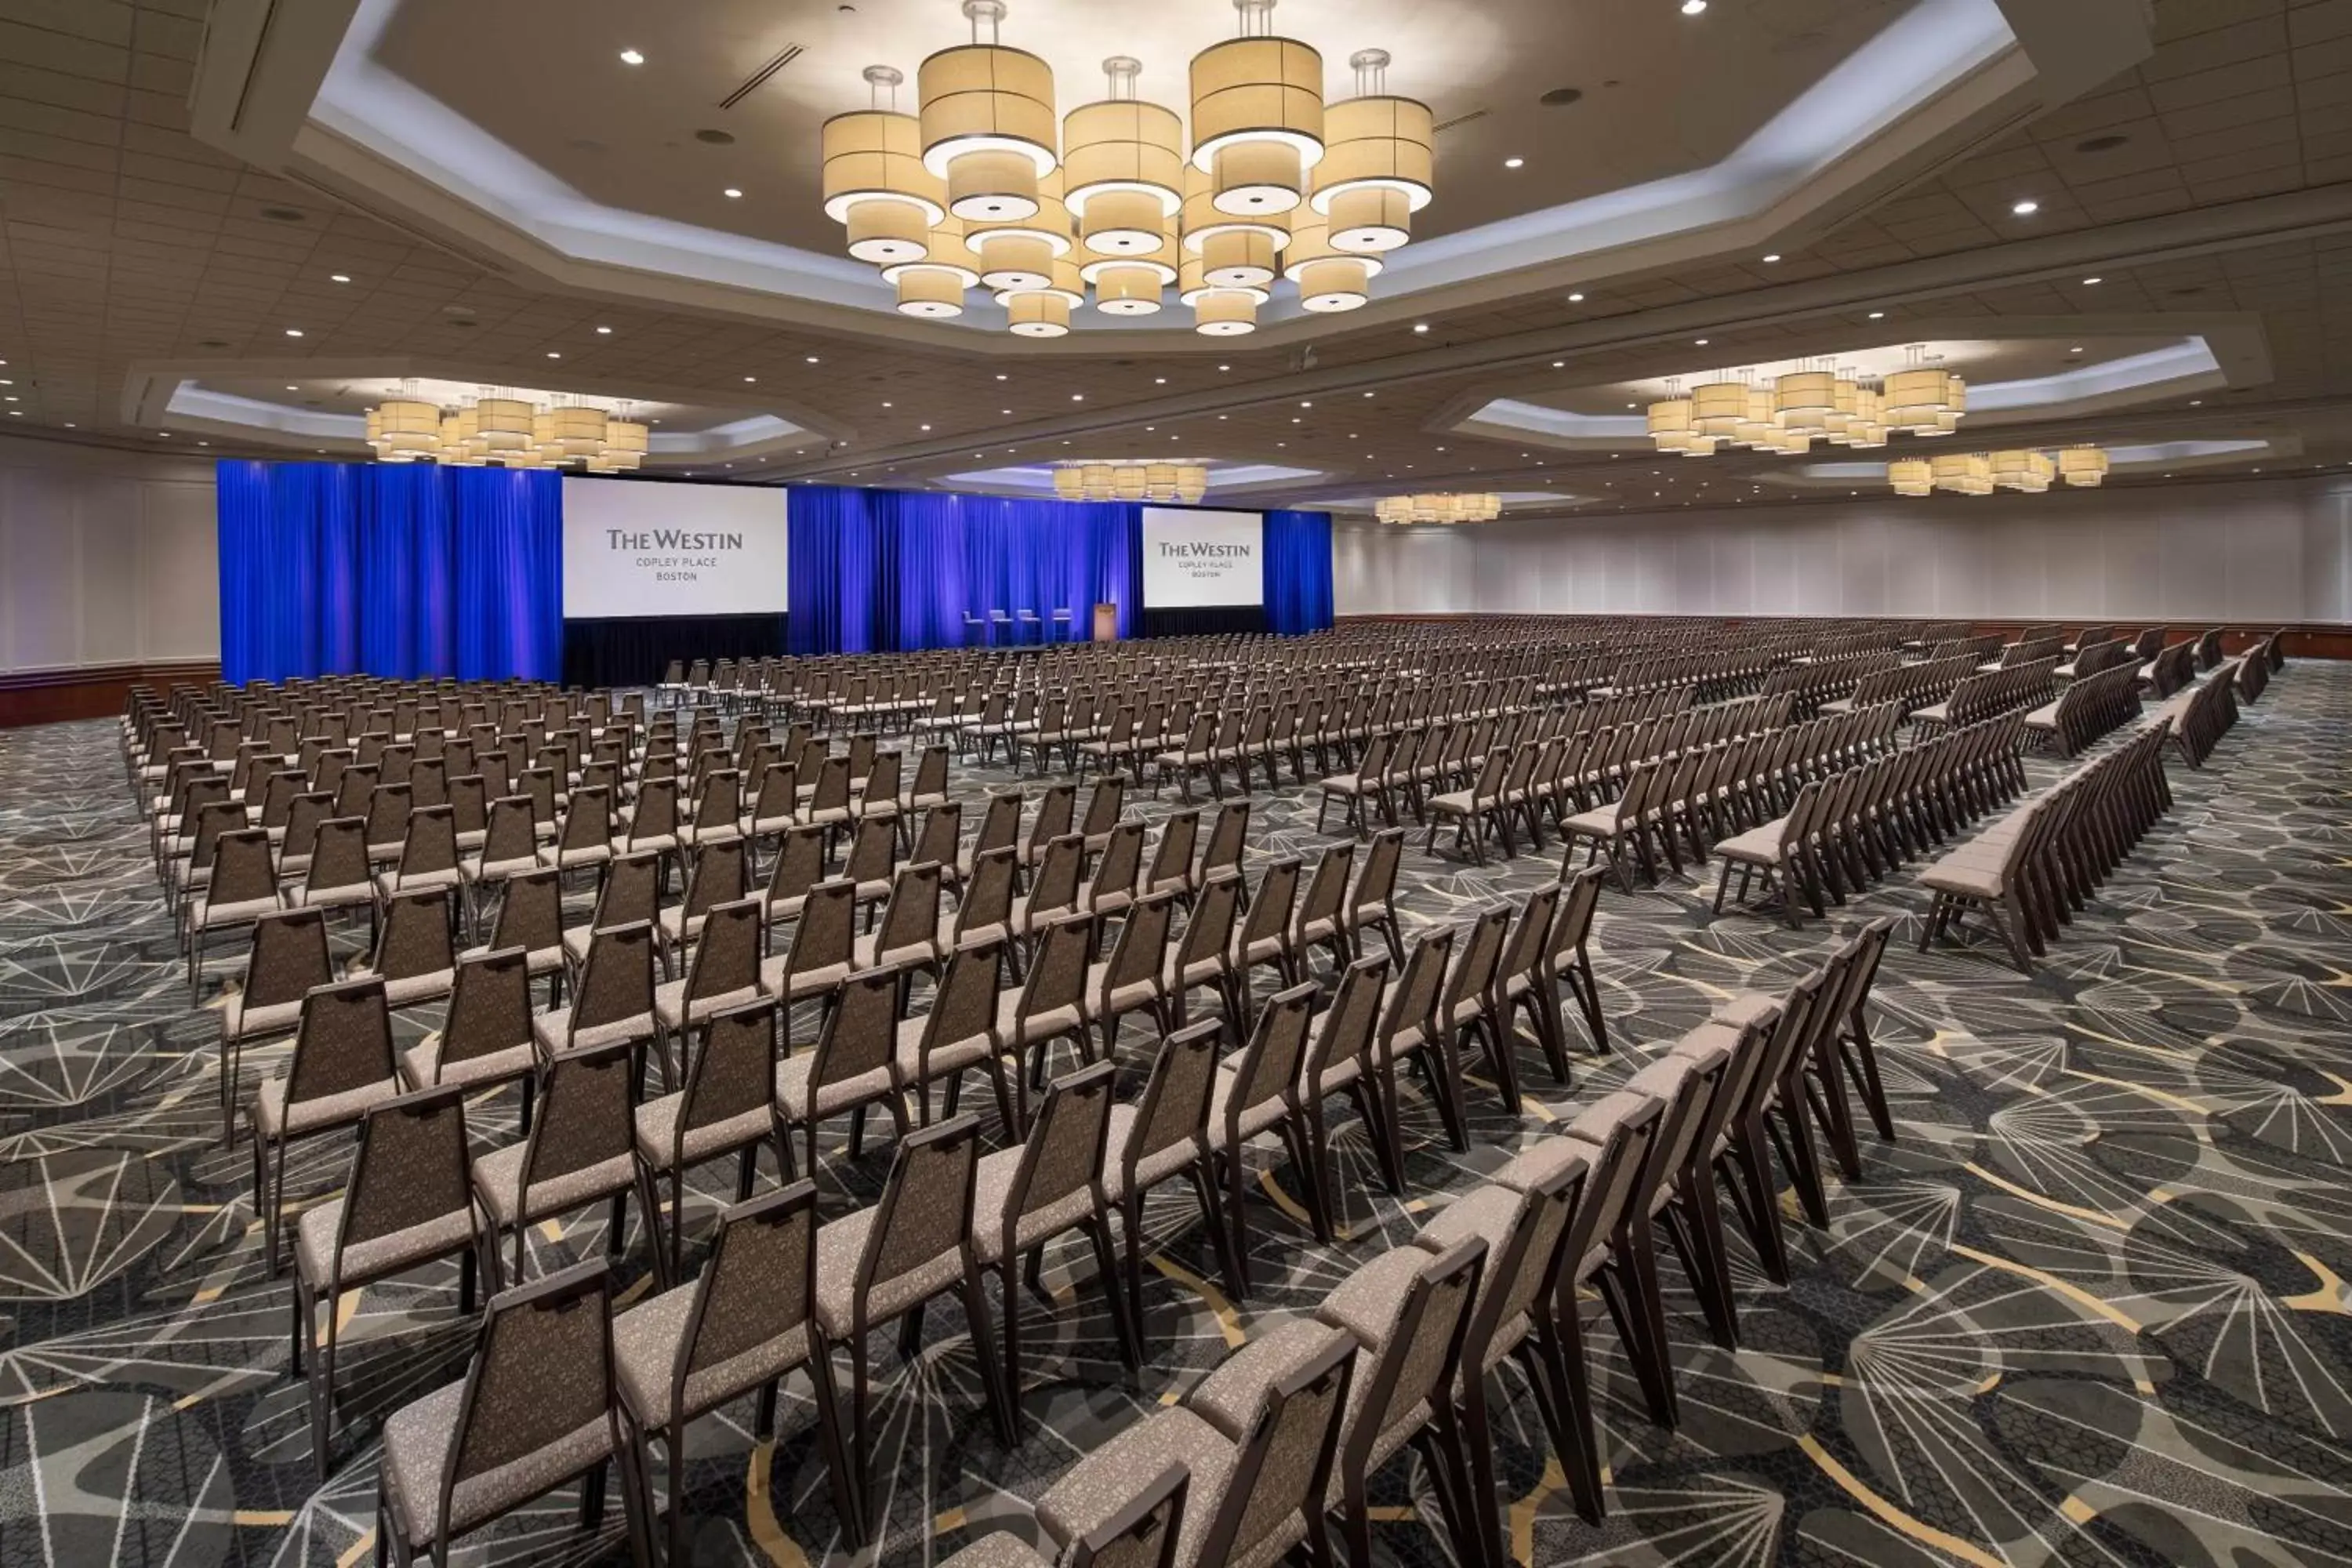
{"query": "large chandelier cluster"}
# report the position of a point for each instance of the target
(1814, 404)
(1185, 483)
(1473, 508)
(981, 188)
(505, 431)
(1982, 473)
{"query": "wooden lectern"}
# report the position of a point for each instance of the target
(1106, 622)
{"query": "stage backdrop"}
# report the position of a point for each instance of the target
(411, 569)
(392, 569)
(656, 572)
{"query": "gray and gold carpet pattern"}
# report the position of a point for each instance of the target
(2090, 1306)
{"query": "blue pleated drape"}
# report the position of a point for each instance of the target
(401, 569)
(896, 570)
(1298, 572)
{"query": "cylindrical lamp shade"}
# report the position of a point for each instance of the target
(1805, 400)
(1376, 143)
(1756, 426)
(2083, 467)
(1964, 473)
(1224, 313)
(1719, 408)
(1128, 482)
(1670, 420)
(1097, 479)
(503, 424)
(625, 436)
(578, 431)
(1238, 258)
(1792, 443)
(1015, 261)
(1191, 283)
(411, 429)
(1911, 477)
(1257, 92)
(2022, 470)
(1038, 314)
(1202, 221)
(1698, 447)
(1845, 402)
(1122, 289)
(375, 430)
(1191, 483)
(1914, 398)
(930, 291)
(1069, 483)
(874, 182)
(1334, 283)
(988, 127)
(1123, 168)
(1369, 219)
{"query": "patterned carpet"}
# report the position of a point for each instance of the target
(2090, 1307)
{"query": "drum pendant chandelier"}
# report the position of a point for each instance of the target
(1816, 403)
(1160, 482)
(981, 188)
(504, 430)
(1477, 507)
(2025, 470)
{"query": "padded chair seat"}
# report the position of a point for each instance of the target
(992, 1199)
(499, 1174)
(412, 990)
(1230, 1397)
(869, 953)
(953, 1055)
(645, 1339)
(539, 961)
(808, 984)
(416, 1452)
(1747, 1009)
(657, 1131)
(793, 1087)
(314, 1244)
(672, 1011)
(1540, 1161)
(205, 915)
(1758, 845)
(1254, 1119)
(2043, 718)
(1041, 1026)
(840, 1245)
(1599, 823)
(1934, 713)
(1100, 1484)
(552, 1029)
(239, 1022)
(1135, 993)
(390, 883)
(1977, 881)
(421, 1062)
(274, 1118)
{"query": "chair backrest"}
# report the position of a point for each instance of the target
(941, 836)
(1269, 1063)
(826, 933)
(630, 891)
(543, 1370)
(1141, 950)
(735, 1071)
(988, 891)
(1413, 1004)
(1121, 862)
(586, 1116)
(489, 1010)
(1209, 934)
(1057, 978)
(1000, 824)
(1423, 1348)
(1055, 809)
(1524, 954)
(873, 850)
(727, 955)
(1228, 836)
(1622, 1126)
(911, 918)
(1376, 887)
(415, 938)
(343, 1042)
(758, 1290)
(1347, 1025)
(411, 1170)
(1104, 806)
(930, 775)
(530, 911)
(1284, 1462)
(288, 957)
(1474, 964)
(800, 863)
(964, 1005)
(616, 978)
(1175, 1106)
(1328, 887)
(1172, 857)
(432, 843)
(1270, 906)
(925, 1210)
(861, 1029)
(1055, 884)
(1062, 1156)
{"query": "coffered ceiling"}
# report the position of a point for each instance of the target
(161, 243)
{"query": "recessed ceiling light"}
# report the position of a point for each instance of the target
(339, 277)
(1576, 299)
(1421, 326)
(293, 332)
(732, 193)
(2196, 403)
(1305, 402)
(1694, 7)
(1878, 315)
(813, 360)
(1774, 256)
(552, 354)
(1078, 397)
(2092, 283)
(2026, 208)
(291, 387)
(632, 58)
(1003, 378)
(71, 424)
(1515, 163)
(1159, 381)
(2076, 350)
(926, 426)
(751, 378)
(1701, 343)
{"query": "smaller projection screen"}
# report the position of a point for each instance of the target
(637, 548)
(1200, 559)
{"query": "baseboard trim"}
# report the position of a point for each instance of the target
(90, 690)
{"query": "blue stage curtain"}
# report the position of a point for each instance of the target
(1298, 572)
(897, 569)
(400, 570)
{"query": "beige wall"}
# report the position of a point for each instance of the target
(2240, 552)
(105, 557)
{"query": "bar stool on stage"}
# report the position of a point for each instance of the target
(1063, 622)
(1032, 630)
(1000, 626)
(975, 631)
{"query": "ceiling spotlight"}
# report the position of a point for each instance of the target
(1078, 397)
(813, 360)
(293, 332)
(603, 332)
(1692, 7)
(751, 378)
(926, 426)
(339, 277)
(1003, 378)
(1421, 326)
(291, 387)
(2027, 208)
(632, 58)
(1878, 315)
(1701, 343)
(1576, 299)
(1515, 163)
(1771, 259)
(2092, 283)
(553, 354)
(1559, 364)
(732, 193)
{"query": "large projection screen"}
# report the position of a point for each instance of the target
(641, 548)
(1196, 560)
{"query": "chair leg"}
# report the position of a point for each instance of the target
(983, 1344)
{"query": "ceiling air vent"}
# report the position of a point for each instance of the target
(784, 57)
(1458, 120)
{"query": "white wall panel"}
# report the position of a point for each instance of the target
(2240, 552)
(105, 558)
